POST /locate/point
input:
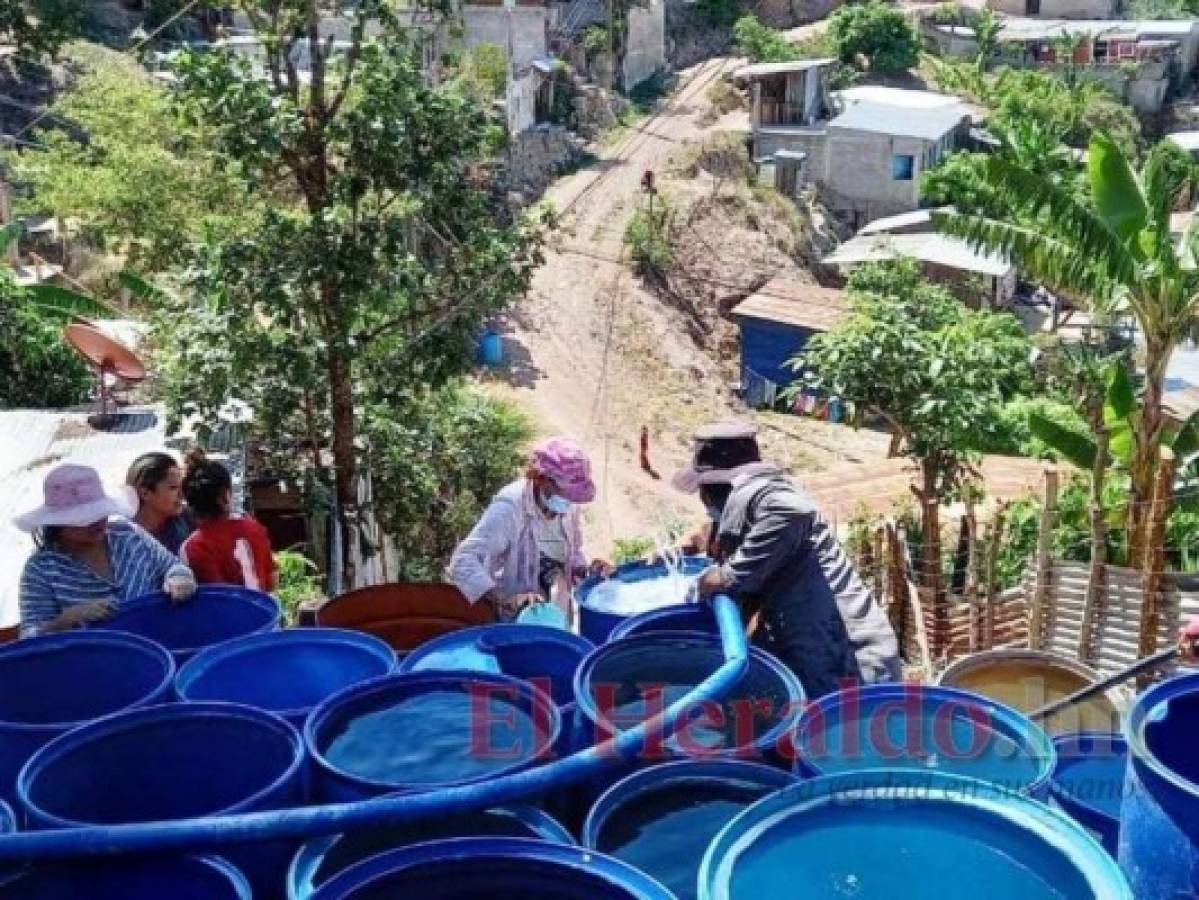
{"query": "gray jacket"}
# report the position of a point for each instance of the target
(818, 616)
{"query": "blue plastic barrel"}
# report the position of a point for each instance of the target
(319, 860)
(909, 834)
(180, 878)
(547, 656)
(495, 868)
(596, 622)
(661, 820)
(1088, 782)
(610, 692)
(887, 726)
(491, 348)
(1159, 820)
(217, 613)
(176, 761)
(836, 410)
(684, 617)
(51, 684)
(284, 672)
(423, 730)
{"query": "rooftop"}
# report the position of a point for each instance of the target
(938, 249)
(1017, 28)
(791, 302)
(1187, 140)
(762, 70)
(901, 97)
(916, 217)
(927, 123)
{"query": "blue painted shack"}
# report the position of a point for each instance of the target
(776, 323)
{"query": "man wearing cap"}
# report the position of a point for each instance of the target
(774, 548)
(528, 546)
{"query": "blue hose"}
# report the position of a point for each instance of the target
(215, 833)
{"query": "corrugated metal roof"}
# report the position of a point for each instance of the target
(938, 249)
(761, 70)
(1019, 28)
(926, 123)
(903, 220)
(1187, 140)
(791, 302)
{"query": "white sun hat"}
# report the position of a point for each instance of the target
(75, 496)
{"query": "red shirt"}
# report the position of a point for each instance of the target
(236, 550)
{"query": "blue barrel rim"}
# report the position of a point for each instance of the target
(1139, 716)
(132, 719)
(1072, 739)
(643, 572)
(86, 635)
(667, 775)
(217, 654)
(585, 702)
(1024, 812)
(8, 819)
(629, 627)
(534, 633)
(237, 879)
(260, 599)
(544, 853)
(1016, 724)
(429, 677)
(310, 854)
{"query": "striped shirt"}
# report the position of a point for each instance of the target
(53, 581)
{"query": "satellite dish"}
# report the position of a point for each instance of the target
(111, 358)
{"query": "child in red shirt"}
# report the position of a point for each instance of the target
(224, 549)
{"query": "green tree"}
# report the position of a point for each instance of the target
(986, 35)
(132, 176)
(875, 32)
(38, 28)
(1113, 251)
(485, 71)
(933, 369)
(761, 43)
(378, 279)
(37, 368)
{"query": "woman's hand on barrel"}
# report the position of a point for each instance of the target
(601, 568)
(711, 581)
(83, 614)
(180, 584)
(507, 608)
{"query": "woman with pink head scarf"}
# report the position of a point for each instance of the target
(528, 546)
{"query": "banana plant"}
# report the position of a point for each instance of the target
(51, 302)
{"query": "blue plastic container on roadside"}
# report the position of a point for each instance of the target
(1159, 819)
(660, 820)
(176, 761)
(423, 730)
(285, 672)
(217, 613)
(180, 878)
(491, 348)
(888, 726)
(683, 617)
(910, 834)
(596, 623)
(320, 860)
(53, 683)
(494, 868)
(1088, 782)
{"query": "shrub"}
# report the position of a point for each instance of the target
(650, 238)
(299, 580)
(876, 32)
(762, 43)
(37, 368)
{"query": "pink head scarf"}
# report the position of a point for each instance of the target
(566, 464)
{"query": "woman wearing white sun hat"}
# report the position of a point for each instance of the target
(85, 565)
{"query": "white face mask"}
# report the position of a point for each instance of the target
(559, 506)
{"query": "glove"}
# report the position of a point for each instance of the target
(180, 584)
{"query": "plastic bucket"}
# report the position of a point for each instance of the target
(684, 617)
(51, 684)
(1159, 820)
(177, 761)
(495, 868)
(424, 730)
(915, 835)
(888, 726)
(180, 878)
(1026, 680)
(217, 613)
(318, 861)
(1088, 782)
(284, 672)
(491, 348)
(661, 820)
(596, 619)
